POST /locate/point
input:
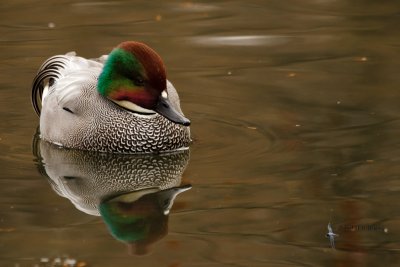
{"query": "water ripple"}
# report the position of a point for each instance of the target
(240, 40)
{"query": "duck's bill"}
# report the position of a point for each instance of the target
(165, 109)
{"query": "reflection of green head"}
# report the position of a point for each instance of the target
(140, 218)
(129, 230)
(139, 221)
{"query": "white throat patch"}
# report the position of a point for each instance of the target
(133, 107)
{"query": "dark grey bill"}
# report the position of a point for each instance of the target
(165, 109)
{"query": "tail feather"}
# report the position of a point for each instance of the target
(50, 69)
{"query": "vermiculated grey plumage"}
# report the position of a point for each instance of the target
(75, 115)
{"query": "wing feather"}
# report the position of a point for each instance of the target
(71, 67)
(50, 69)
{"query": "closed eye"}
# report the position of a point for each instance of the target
(68, 110)
(70, 177)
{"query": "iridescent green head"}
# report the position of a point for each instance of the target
(134, 78)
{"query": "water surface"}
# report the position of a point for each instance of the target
(295, 116)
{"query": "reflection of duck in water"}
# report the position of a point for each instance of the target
(141, 217)
(132, 193)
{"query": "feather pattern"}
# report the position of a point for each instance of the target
(49, 69)
(73, 114)
(65, 70)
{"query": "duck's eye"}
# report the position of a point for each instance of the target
(138, 81)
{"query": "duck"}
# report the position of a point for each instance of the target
(118, 103)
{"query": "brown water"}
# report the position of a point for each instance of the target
(295, 115)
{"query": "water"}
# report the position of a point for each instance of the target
(294, 110)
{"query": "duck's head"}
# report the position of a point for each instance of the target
(134, 78)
